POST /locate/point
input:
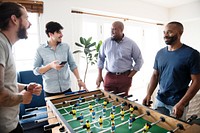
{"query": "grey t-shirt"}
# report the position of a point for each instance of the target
(8, 115)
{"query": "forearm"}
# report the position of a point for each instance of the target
(132, 73)
(76, 73)
(8, 98)
(21, 86)
(44, 69)
(100, 72)
(191, 92)
(152, 85)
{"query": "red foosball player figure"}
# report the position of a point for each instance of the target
(100, 121)
(112, 117)
(90, 107)
(113, 128)
(73, 112)
(87, 126)
(146, 128)
(122, 114)
(80, 118)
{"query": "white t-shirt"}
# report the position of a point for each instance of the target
(8, 115)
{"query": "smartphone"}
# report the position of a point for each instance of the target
(63, 63)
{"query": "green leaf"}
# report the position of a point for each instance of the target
(91, 45)
(77, 51)
(88, 40)
(82, 40)
(79, 45)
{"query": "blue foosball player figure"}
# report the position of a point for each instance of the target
(104, 112)
(113, 128)
(113, 109)
(80, 118)
(93, 114)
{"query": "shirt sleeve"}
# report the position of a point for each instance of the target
(137, 57)
(37, 63)
(72, 63)
(101, 57)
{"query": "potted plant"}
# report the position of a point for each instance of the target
(90, 51)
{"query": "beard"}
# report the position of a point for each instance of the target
(171, 40)
(22, 32)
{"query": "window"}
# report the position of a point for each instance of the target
(24, 50)
(147, 37)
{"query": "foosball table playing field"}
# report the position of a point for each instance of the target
(100, 111)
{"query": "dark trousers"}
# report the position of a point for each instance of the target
(117, 83)
(46, 94)
(18, 129)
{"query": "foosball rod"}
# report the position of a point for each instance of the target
(135, 107)
(96, 112)
(33, 115)
(44, 119)
(147, 113)
(77, 99)
(116, 125)
(94, 105)
(97, 121)
(161, 119)
(83, 102)
(179, 126)
(36, 108)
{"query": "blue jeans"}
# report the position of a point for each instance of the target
(167, 109)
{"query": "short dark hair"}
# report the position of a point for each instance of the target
(52, 27)
(179, 25)
(7, 9)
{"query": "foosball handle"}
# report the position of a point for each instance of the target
(191, 118)
(128, 96)
(48, 127)
(31, 109)
(150, 102)
(28, 116)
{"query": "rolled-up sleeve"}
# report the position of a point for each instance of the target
(137, 57)
(101, 57)
(37, 63)
(72, 63)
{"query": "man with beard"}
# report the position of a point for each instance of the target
(47, 62)
(177, 71)
(13, 25)
(123, 59)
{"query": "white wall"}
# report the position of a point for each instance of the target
(189, 15)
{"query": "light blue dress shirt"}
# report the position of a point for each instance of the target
(55, 81)
(120, 57)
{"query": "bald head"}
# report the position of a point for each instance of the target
(119, 25)
(117, 31)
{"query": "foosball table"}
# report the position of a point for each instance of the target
(100, 111)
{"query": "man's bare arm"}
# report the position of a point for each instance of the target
(8, 98)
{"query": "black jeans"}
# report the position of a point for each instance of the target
(18, 129)
(46, 94)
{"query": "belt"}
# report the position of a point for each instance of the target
(120, 73)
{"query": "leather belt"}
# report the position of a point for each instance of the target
(120, 73)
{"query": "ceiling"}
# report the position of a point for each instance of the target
(170, 3)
